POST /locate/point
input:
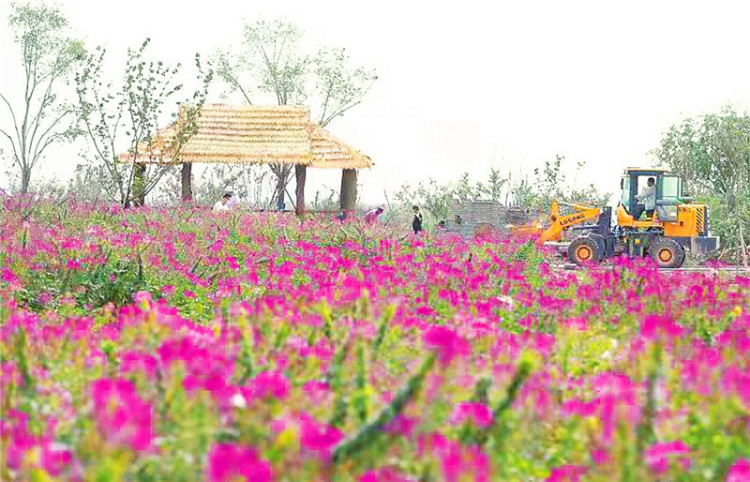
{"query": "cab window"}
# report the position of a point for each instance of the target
(625, 188)
(671, 187)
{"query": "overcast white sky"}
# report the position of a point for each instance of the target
(465, 85)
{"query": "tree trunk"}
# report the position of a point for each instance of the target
(348, 189)
(281, 174)
(300, 174)
(742, 243)
(25, 179)
(139, 185)
(187, 181)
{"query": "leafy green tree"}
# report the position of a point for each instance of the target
(48, 56)
(126, 117)
(272, 58)
(712, 153)
(495, 186)
(551, 183)
(520, 193)
(432, 197)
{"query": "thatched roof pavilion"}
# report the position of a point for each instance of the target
(253, 134)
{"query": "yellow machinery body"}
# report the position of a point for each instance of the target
(673, 227)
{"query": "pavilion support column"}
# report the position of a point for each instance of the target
(139, 185)
(187, 181)
(348, 189)
(300, 174)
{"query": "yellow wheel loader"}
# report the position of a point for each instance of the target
(674, 227)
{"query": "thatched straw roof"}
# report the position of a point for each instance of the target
(252, 134)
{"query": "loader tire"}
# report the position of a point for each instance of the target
(584, 250)
(667, 253)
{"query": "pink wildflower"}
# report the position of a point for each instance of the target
(385, 474)
(228, 462)
(447, 343)
(600, 457)
(579, 407)
(658, 455)
(142, 297)
(740, 471)
(122, 415)
(318, 438)
(478, 413)
(578, 324)
(18, 440)
(655, 325)
(133, 360)
(567, 473)
(401, 425)
(316, 390)
(7, 276)
(270, 384)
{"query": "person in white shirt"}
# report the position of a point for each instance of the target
(648, 199)
(222, 204)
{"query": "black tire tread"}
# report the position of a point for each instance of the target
(660, 243)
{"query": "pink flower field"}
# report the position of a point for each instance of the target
(183, 345)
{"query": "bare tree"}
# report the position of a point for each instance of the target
(339, 88)
(47, 56)
(272, 57)
(131, 114)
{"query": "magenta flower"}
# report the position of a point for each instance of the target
(142, 297)
(567, 473)
(123, 417)
(600, 457)
(401, 425)
(18, 440)
(385, 474)
(133, 361)
(14, 426)
(659, 455)
(477, 413)
(577, 323)
(579, 407)
(655, 325)
(270, 384)
(740, 471)
(317, 390)
(7, 276)
(56, 458)
(229, 462)
(318, 438)
(447, 343)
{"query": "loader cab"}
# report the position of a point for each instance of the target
(668, 191)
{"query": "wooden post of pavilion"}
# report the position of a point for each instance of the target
(187, 181)
(300, 175)
(348, 189)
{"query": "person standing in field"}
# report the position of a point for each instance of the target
(416, 223)
(373, 214)
(221, 204)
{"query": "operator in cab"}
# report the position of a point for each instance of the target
(647, 200)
